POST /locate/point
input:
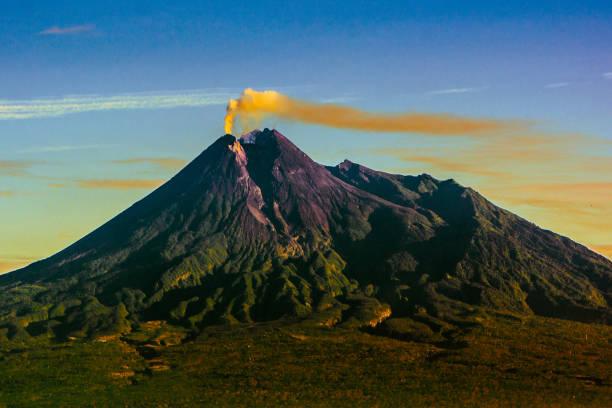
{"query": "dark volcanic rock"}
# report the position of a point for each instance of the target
(254, 230)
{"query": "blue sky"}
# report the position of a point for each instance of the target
(103, 81)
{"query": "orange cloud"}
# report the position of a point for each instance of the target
(512, 157)
(585, 191)
(116, 184)
(253, 106)
(605, 250)
(560, 206)
(409, 155)
(58, 185)
(12, 263)
(589, 198)
(167, 163)
(16, 168)
(11, 266)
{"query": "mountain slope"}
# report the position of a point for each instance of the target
(254, 230)
(494, 257)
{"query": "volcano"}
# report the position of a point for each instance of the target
(253, 230)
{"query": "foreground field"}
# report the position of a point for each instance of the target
(506, 361)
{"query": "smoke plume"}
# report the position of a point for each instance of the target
(253, 106)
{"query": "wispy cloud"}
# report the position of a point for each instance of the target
(53, 107)
(589, 200)
(17, 168)
(607, 75)
(118, 184)
(6, 193)
(166, 163)
(64, 148)
(8, 266)
(456, 90)
(107, 184)
(605, 250)
(58, 185)
(448, 164)
(55, 30)
(10, 263)
(557, 85)
(586, 190)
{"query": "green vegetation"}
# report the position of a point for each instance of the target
(377, 289)
(506, 361)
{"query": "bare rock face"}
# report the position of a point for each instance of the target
(254, 230)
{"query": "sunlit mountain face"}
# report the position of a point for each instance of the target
(254, 230)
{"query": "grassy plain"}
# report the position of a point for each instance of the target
(506, 361)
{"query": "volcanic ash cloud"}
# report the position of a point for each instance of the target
(253, 106)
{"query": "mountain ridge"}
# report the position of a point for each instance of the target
(254, 230)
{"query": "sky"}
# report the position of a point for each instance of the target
(102, 101)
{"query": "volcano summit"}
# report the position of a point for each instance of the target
(254, 230)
